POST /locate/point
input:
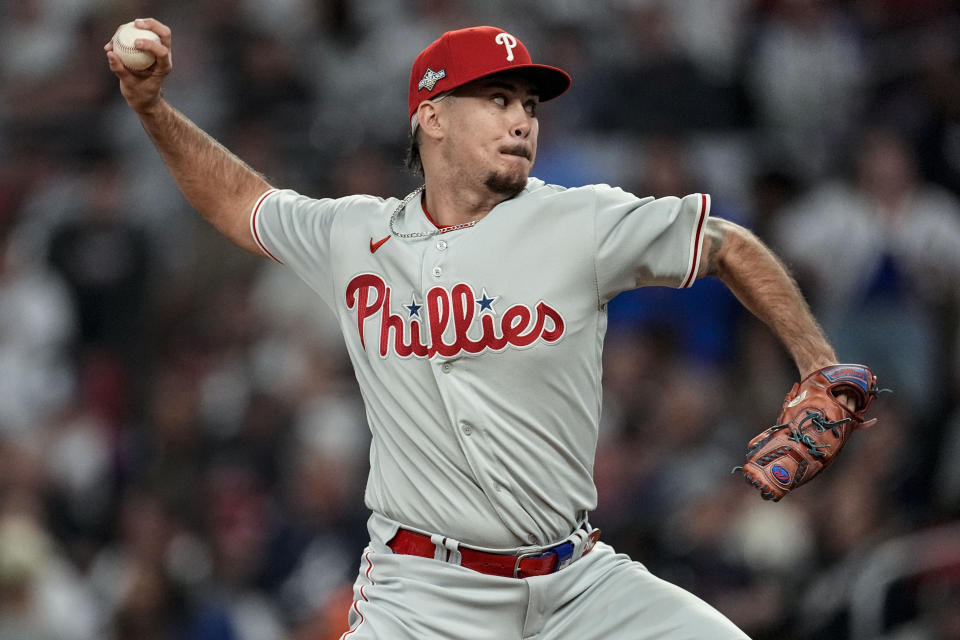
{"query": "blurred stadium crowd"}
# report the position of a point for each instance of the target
(182, 445)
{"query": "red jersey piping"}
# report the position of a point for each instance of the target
(702, 214)
(253, 224)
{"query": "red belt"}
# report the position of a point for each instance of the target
(495, 564)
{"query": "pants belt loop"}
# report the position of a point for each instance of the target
(578, 538)
(446, 549)
(583, 540)
(453, 551)
(440, 551)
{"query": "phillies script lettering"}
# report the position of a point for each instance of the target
(518, 326)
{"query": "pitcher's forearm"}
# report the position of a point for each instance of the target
(215, 182)
(764, 286)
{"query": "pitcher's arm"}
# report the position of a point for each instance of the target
(214, 181)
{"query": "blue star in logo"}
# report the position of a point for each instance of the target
(414, 308)
(486, 302)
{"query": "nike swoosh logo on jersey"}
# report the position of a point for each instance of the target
(798, 399)
(376, 245)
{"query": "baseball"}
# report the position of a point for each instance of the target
(131, 57)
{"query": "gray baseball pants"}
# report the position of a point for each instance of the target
(603, 595)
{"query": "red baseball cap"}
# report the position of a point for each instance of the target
(465, 55)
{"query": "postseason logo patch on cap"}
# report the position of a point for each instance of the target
(464, 55)
(430, 79)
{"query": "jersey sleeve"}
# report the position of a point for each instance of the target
(295, 230)
(647, 241)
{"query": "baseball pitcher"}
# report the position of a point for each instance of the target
(474, 313)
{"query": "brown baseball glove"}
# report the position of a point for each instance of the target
(812, 428)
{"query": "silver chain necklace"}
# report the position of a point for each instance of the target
(421, 234)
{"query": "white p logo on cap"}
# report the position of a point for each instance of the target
(507, 41)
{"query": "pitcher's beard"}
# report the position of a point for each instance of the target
(506, 184)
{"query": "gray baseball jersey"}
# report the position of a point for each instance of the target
(478, 350)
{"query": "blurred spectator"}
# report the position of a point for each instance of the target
(939, 131)
(805, 75)
(266, 88)
(37, 37)
(41, 596)
(878, 257)
(655, 87)
(104, 258)
(240, 523)
(713, 33)
(23, 551)
(36, 333)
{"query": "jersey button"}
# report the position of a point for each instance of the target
(437, 271)
(446, 367)
(442, 245)
(467, 428)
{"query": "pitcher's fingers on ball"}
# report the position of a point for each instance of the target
(122, 71)
(154, 47)
(116, 65)
(157, 27)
